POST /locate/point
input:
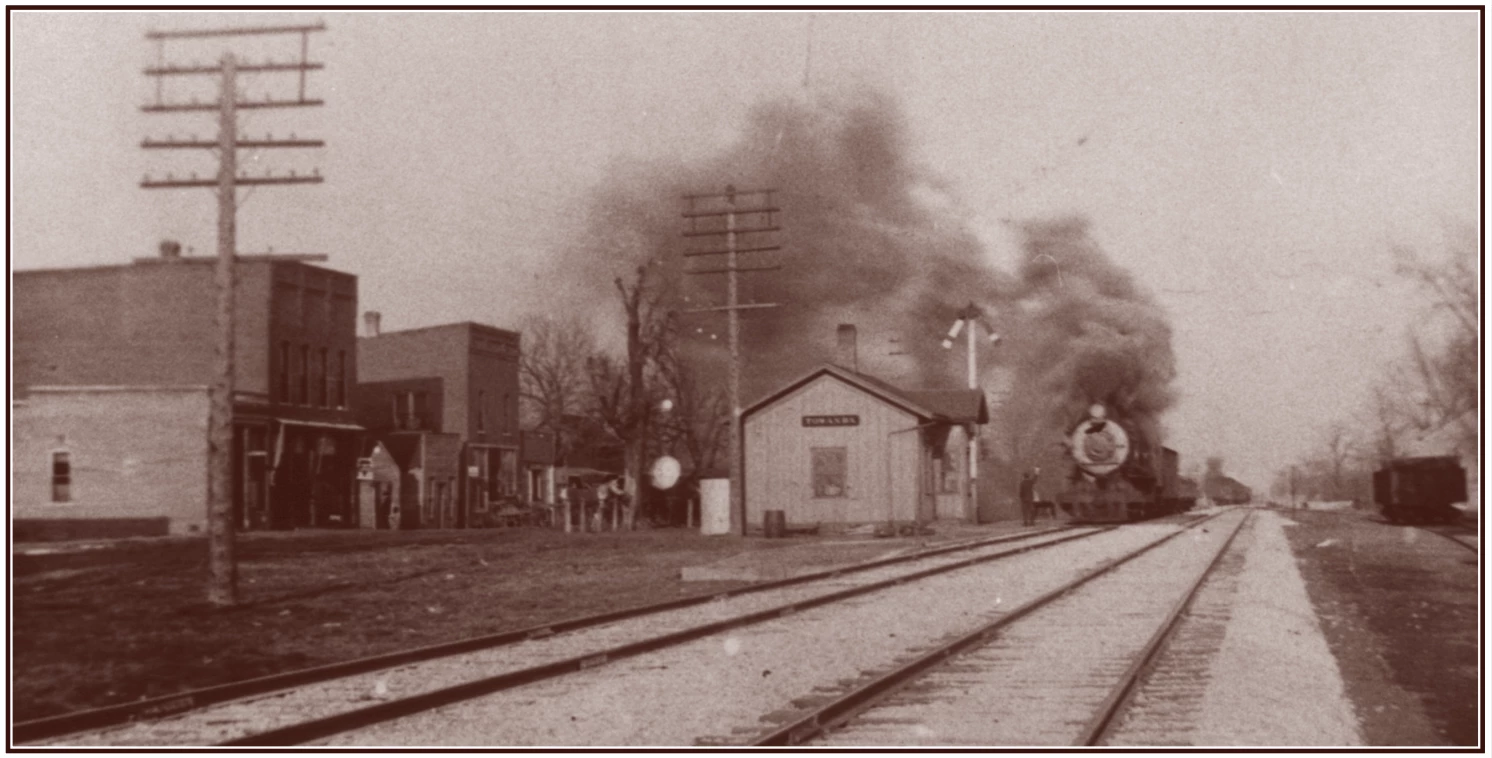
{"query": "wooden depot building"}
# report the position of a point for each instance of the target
(837, 448)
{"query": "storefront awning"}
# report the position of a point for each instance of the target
(284, 422)
(322, 424)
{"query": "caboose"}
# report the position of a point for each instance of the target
(1420, 490)
(1119, 475)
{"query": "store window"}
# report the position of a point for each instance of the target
(421, 410)
(339, 389)
(302, 376)
(323, 379)
(830, 469)
(284, 383)
(62, 477)
(507, 472)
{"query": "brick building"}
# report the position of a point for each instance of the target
(141, 473)
(457, 379)
(97, 350)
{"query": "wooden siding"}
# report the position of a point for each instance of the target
(954, 505)
(779, 458)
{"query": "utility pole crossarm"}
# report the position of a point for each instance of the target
(258, 68)
(743, 269)
(719, 232)
(723, 214)
(239, 31)
(762, 249)
(241, 181)
(737, 307)
(242, 105)
(247, 144)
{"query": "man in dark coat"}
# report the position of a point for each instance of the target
(1028, 497)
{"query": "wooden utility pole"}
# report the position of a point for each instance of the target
(222, 585)
(710, 206)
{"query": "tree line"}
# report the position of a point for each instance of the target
(652, 399)
(1425, 402)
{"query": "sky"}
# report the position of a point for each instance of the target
(1252, 170)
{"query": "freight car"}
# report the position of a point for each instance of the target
(1419, 490)
(1119, 475)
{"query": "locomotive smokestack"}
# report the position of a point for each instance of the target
(370, 321)
(846, 352)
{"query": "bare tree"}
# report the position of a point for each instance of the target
(619, 389)
(700, 419)
(552, 374)
(1386, 421)
(1443, 356)
(1337, 454)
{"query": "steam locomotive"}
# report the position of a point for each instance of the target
(1119, 475)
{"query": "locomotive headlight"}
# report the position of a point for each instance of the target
(1097, 411)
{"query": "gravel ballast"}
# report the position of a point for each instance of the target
(1253, 664)
(728, 688)
(237, 719)
(1043, 678)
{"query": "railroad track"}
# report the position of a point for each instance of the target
(718, 689)
(1026, 677)
(314, 703)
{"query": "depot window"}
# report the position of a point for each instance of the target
(62, 477)
(830, 469)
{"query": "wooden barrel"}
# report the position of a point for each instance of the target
(774, 524)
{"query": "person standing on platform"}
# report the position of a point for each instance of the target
(1028, 497)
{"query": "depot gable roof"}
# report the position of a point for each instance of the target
(954, 406)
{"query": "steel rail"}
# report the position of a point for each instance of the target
(303, 732)
(847, 706)
(1099, 724)
(170, 705)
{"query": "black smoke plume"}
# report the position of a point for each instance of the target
(868, 237)
(1091, 335)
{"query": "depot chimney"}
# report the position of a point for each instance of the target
(370, 321)
(846, 353)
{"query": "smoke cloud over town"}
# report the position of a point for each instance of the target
(866, 233)
(871, 237)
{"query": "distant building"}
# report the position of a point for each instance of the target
(112, 366)
(412, 480)
(454, 379)
(537, 453)
(590, 445)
